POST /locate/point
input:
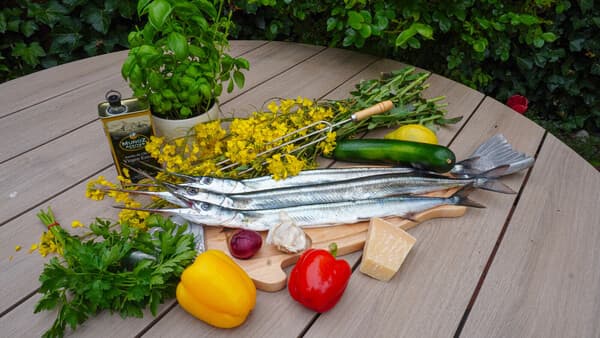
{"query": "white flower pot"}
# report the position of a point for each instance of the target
(172, 129)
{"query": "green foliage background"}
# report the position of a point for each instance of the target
(38, 34)
(547, 50)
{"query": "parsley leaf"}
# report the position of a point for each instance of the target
(96, 273)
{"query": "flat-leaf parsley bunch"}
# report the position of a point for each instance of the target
(99, 273)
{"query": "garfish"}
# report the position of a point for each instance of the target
(232, 186)
(317, 215)
(368, 187)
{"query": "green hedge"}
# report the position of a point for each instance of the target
(546, 50)
(41, 34)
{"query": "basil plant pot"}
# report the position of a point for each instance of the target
(178, 60)
(172, 129)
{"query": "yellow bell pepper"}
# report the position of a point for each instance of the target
(216, 290)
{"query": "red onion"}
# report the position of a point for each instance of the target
(244, 244)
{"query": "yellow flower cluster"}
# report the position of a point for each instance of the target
(98, 189)
(258, 142)
(282, 166)
(182, 155)
(47, 245)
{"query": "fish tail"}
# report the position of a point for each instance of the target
(488, 180)
(461, 197)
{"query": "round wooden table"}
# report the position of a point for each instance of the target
(527, 265)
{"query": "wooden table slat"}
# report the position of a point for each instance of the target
(40, 174)
(38, 87)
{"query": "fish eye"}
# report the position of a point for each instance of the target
(205, 206)
(191, 190)
(207, 180)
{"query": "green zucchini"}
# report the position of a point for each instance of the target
(425, 156)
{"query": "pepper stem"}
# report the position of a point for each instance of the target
(333, 248)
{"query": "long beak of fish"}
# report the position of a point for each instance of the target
(183, 212)
(172, 189)
(160, 194)
(174, 211)
(136, 192)
(143, 185)
(165, 195)
(141, 172)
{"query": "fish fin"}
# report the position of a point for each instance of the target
(461, 197)
(495, 185)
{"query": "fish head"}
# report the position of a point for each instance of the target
(213, 214)
(213, 184)
(190, 195)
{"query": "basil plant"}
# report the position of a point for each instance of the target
(178, 60)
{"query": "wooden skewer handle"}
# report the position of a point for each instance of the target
(378, 108)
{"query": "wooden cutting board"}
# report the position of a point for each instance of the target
(266, 267)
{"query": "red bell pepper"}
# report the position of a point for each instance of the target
(318, 280)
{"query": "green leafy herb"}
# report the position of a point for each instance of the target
(178, 61)
(94, 274)
(47, 217)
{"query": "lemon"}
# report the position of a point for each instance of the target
(413, 132)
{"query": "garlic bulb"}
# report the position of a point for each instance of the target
(287, 236)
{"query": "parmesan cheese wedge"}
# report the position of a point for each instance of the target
(385, 249)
